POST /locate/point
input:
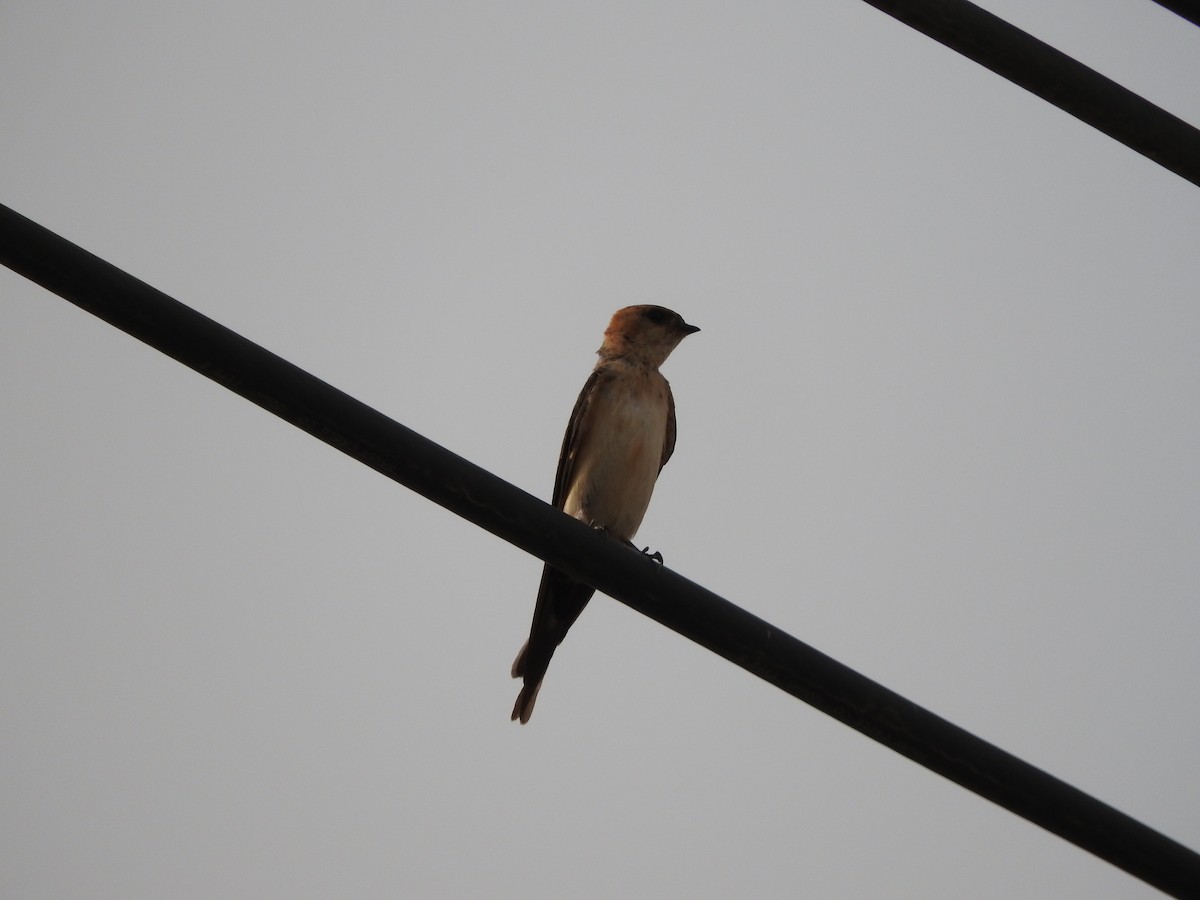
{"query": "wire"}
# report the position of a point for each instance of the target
(665, 596)
(1187, 9)
(1057, 78)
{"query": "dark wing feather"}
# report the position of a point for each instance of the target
(570, 444)
(669, 438)
(560, 598)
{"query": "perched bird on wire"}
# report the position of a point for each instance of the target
(621, 434)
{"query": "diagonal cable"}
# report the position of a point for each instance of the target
(1057, 78)
(1187, 9)
(536, 527)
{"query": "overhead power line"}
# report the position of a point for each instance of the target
(1188, 9)
(538, 528)
(1056, 77)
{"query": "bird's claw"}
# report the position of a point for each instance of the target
(645, 551)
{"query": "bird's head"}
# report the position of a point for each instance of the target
(645, 334)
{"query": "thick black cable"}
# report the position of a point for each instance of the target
(1187, 9)
(1055, 77)
(510, 513)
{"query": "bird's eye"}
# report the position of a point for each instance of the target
(657, 316)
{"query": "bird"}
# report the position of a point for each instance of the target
(620, 435)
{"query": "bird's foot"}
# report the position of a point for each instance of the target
(645, 551)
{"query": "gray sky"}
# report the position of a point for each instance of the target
(940, 423)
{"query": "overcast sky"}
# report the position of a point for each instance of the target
(941, 423)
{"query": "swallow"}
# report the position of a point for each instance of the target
(620, 435)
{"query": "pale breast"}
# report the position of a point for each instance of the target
(620, 453)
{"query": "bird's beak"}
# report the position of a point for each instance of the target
(689, 329)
